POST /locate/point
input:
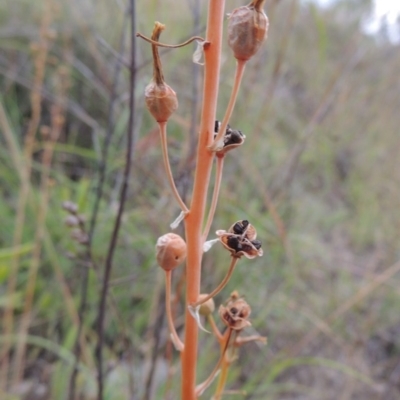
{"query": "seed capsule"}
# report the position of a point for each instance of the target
(247, 29)
(235, 314)
(161, 99)
(170, 251)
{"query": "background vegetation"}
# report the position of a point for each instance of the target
(319, 175)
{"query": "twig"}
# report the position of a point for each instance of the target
(172, 46)
(124, 190)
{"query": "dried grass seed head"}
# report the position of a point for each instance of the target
(170, 251)
(247, 29)
(161, 99)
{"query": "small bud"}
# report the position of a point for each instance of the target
(170, 251)
(247, 29)
(208, 307)
(161, 99)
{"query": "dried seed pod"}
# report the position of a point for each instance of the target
(208, 307)
(170, 251)
(161, 99)
(232, 138)
(240, 240)
(235, 314)
(244, 228)
(247, 29)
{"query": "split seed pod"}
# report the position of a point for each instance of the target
(170, 251)
(235, 314)
(161, 99)
(247, 29)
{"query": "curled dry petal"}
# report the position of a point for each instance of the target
(170, 251)
(247, 29)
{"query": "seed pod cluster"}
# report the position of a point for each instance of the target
(170, 251)
(247, 29)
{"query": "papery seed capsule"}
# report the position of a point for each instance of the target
(247, 29)
(170, 251)
(161, 99)
(235, 314)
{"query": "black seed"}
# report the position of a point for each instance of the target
(233, 243)
(240, 227)
(256, 244)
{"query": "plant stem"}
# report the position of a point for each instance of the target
(174, 336)
(218, 141)
(220, 286)
(167, 166)
(215, 329)
(204, 385)
(222, 379)
(194, 220)
(214, 201)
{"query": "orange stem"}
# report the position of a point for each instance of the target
(194, 220)
(218, 141)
